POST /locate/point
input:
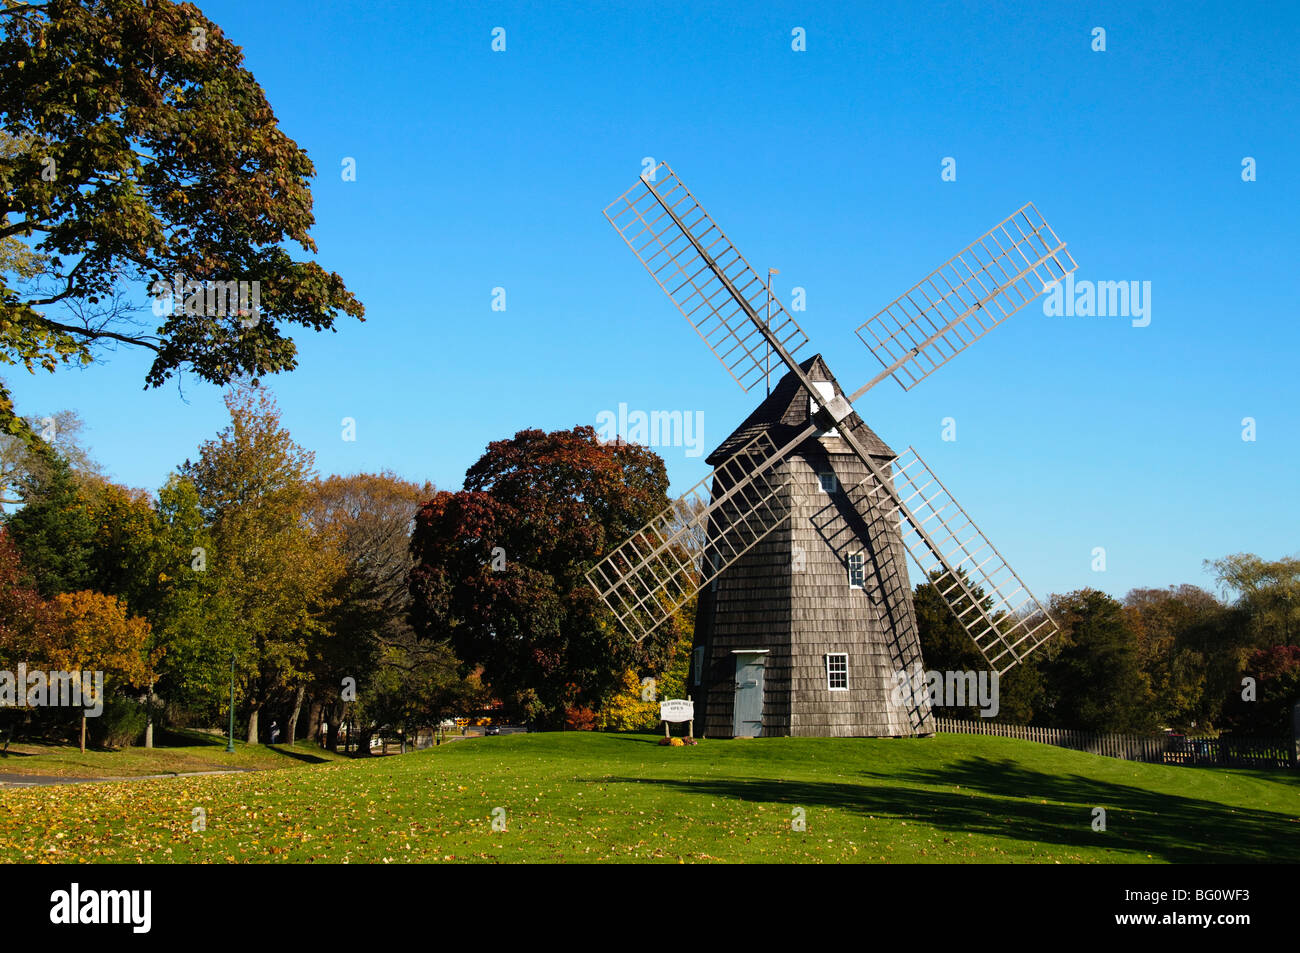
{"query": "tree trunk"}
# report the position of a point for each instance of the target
(363, 743)
(292, 733)
(314, 720)
(148, 725)
(83, 732)
(252, 726)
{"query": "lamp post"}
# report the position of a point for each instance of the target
(230, 743)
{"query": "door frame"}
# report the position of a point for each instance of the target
(747, 657)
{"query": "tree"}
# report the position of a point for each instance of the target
(1267, 592)
(1276, 671)
(123, 543)
(947, 647)
(252, 483)
(501, 567)
(55, 530)
(1173, 629)
(626, 708)
(90, 631)
(193, 620)
(369, 516)
(136, 149)
(1095, 682)
(22, 461)
(22, 614)
(415, 683)
(674, 680)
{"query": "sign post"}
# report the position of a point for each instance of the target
(677, 710)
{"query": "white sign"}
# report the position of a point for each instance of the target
(676, 709)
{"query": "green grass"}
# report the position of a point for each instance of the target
(174, 753)
(588, 797)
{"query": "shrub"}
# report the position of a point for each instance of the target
(122, 723)
(580, 719)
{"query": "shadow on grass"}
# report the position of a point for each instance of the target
(1001, 798)
(186, 738)
(298, 754)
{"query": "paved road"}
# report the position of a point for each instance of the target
(40, 780)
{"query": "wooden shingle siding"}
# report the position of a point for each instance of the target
(801, 616)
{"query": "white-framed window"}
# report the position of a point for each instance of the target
(699, 664)
(826, 391)
(837, 671)
(826, 480)
(857, 570)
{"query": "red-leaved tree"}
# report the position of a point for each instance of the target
(500, 564)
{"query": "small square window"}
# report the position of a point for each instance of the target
(827, 482)
(857, 570)
(837, 671)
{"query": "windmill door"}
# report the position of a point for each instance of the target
(748, 710)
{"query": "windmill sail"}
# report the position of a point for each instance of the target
(689, 256)
(999, 613)
(964, 299)
(651, 575)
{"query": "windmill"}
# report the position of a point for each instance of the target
(794, 543)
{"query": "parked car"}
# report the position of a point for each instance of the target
(492, 730)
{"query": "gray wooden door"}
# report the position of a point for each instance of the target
(747, 713)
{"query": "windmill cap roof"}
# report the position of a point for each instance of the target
(786, 411)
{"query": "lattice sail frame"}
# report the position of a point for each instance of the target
(675, 263)
(969, 295)
(651, 575)
(1008, 622)
(912, 340)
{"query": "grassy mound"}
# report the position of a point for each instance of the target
(591, 797)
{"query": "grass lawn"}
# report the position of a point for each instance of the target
(591, 797)
(175, 753)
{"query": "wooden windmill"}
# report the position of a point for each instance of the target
(795, 541)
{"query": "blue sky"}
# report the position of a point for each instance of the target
(478, 169)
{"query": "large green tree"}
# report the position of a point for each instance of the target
(1095, 680)
(137, 149)
(500, 567)
(194, 621)
(1176, 631)
(54, 531)
(946, 647)
(253, 485)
